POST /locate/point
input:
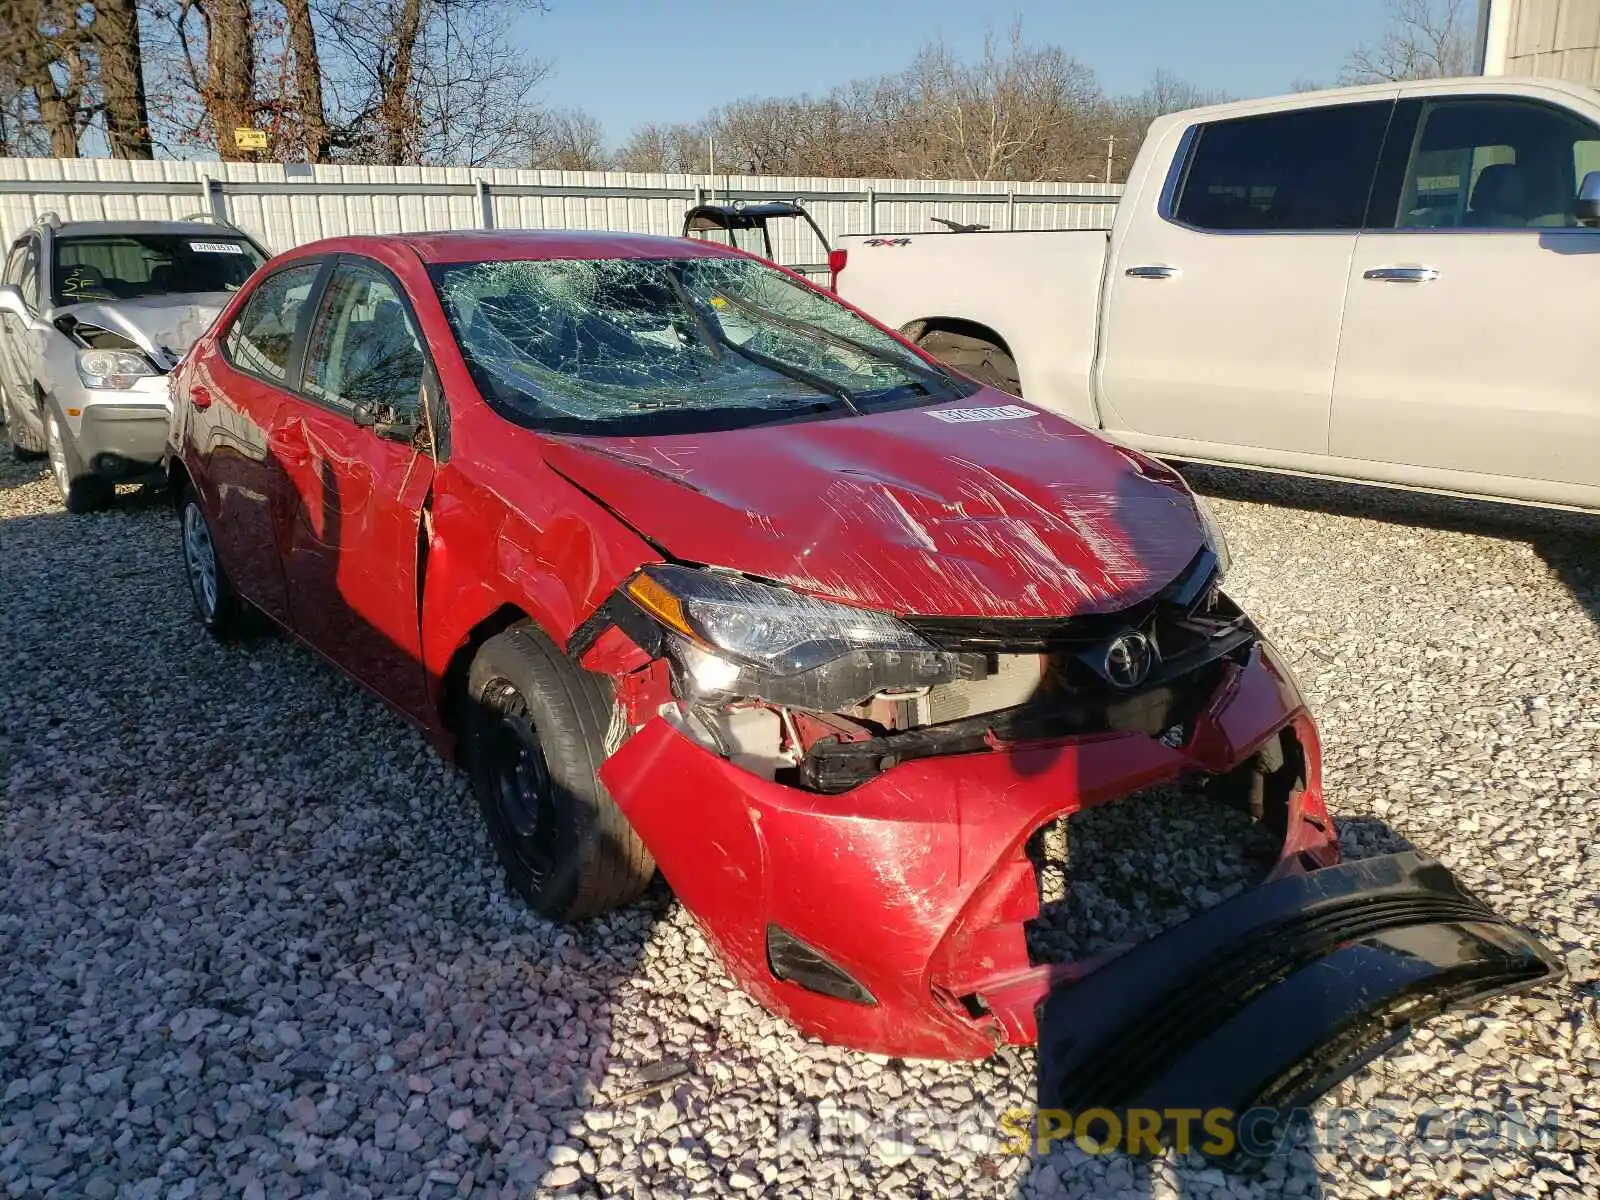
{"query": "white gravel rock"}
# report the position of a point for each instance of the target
(255, 944)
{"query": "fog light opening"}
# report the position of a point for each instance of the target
(793, 961)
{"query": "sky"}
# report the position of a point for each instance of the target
(632, 61)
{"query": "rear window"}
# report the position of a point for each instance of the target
(132, 266)
(1310, 169)
(671, 345)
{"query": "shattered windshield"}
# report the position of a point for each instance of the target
(627, 345)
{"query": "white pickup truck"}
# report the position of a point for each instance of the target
(1389, 284)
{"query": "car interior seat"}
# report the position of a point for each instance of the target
(1500, 197)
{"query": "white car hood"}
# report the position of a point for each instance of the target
(163, 326)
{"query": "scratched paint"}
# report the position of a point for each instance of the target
(897, 512)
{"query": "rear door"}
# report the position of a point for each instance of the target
(237, 396)
(1224, 303)
(350, 518)
(1469, 328)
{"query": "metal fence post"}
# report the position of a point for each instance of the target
(699, 195)
(211, 199)
(485, 205)
(1011, 209)
(872, 210)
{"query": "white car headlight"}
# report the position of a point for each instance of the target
(1215, 540)
(113, 368)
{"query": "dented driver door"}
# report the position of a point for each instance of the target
(360, 477)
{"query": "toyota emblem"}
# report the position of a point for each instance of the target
(1129, 659)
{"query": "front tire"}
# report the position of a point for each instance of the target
(219, 607)
(535, 740)
(81, 490)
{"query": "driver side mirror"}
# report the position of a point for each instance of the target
(1588, 209)
(11, 302)
(385, 421)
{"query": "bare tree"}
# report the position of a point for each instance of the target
(565, 139)
(309, 106)
(653, 147)
(114, 33)
(429, 80)
(43, 43)
(1004, 116)
(1426, 39)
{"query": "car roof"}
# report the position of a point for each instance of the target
(1466, 85)
(113, 228)
(490, 245)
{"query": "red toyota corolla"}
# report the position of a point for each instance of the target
(697, 568)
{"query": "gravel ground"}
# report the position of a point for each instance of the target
(253, 943)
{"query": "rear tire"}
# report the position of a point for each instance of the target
(974, 357)
(221, 610)
(81, 490)
(535, 740)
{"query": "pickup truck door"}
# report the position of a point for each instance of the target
(1469, 328)
(1226, 291)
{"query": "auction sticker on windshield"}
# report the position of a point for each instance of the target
(216, 247)
(964, 416)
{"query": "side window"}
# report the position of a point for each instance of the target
(261, 337)
(1496, 164)
(28, 277)
(363, 349)
(1309, 169)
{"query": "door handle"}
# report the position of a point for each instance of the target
(289, 448)
(200, 397)
(1402, 275)
(1153, 272)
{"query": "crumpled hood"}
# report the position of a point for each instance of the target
(908, 512)
(165, 326)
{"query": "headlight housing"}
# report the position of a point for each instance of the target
(731, 637)
(113, 368)
(1215, 541)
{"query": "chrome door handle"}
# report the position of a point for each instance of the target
(1402, 275)
(1153, 272)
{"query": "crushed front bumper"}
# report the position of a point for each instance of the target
(1260, 1005)
(915, 886)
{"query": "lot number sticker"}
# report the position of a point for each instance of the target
(216, 247)
(965, 416)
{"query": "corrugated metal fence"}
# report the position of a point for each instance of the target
(287, 206)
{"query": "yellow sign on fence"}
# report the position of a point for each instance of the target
(250, 139)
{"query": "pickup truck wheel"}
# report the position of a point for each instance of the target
(974, 357)
(220, 609)
(81, 490)
(536, 733)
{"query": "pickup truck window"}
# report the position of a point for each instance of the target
(1305, 170)
(1496, 164)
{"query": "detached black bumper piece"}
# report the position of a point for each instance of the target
(1274, 997)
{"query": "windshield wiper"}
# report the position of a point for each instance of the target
(718, 340)
(807, 329)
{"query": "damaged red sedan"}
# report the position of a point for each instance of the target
(697, 568)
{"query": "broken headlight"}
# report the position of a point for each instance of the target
(732, 637)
